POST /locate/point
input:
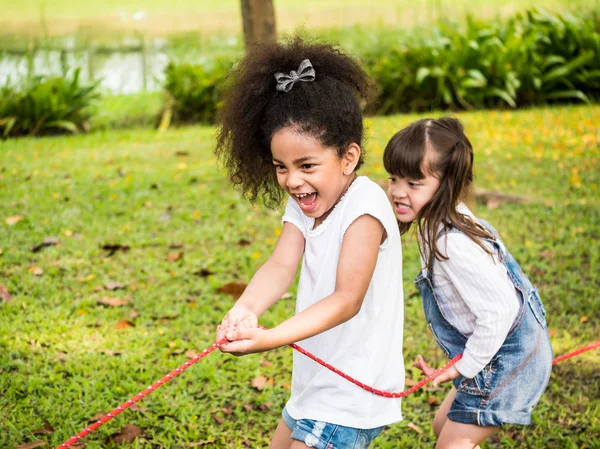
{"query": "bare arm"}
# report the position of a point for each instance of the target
(357, 261)
(269, 283)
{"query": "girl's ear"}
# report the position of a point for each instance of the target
(350, 159)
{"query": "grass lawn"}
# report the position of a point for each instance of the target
(184, 232)
(166, 16)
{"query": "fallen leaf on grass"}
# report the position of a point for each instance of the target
(414, 427)
(433, 400)
(126, 435)
(226, 411)
(109, 352)
(113, 302)
(204, 273)
(259, 382)
(266, 363)
(190, 353)
(31, 445)
(113, 286)
(36, 271)
(243, 242)
(218, 419)
(97, 417)
(138, 408)
(248, 407)
(287, 295)
(4, 294)
(165, 319)
(583, 319)
(265, 406)
(112, 248)
(234, 289)
(46, 430)
(12, 221)
(124, 324)
(50, 241)
(175, 256)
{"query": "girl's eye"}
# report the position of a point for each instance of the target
(413, 184)
(392, 179)
(307, 166)
(280, 167)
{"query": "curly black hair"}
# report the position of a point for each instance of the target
(328, 108)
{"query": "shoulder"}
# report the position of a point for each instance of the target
(294, 215)
(367, 193)
(463, 253)
(368, 198)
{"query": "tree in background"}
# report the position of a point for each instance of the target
(258, 19)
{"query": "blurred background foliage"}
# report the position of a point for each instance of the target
(125, 70)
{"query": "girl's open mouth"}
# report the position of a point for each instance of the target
(307, 201)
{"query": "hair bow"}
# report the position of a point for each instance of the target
(305, 72)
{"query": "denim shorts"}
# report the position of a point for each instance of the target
(322, 435)
(509, 387)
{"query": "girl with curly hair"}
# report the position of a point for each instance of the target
(291, 126)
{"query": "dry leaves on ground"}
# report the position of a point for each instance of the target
(4, 293)
(234, 289)
(113, 302)
(31, 445)
(127, 434)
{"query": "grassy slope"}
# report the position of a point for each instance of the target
(117, 187)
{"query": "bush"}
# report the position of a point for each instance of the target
(46, 105)
(532, 58)
(194, 90)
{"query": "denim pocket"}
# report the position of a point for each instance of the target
(480, 385)
(536, 306)
(439, 342)
(366, 436)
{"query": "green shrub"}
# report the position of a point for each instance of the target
(194, 90)
(532, 58)
(46, 105)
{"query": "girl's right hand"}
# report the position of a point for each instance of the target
(449, 374)
(238, 317)
(423, 366)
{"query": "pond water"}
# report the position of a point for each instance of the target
(118, 71)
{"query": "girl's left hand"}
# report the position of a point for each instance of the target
(244, 341)
(450, 374)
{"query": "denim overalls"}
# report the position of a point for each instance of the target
(508, 387)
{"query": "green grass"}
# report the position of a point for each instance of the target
(165, 17)
(139, 188)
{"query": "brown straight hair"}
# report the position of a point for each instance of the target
(440, 148)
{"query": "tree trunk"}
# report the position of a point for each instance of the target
(258, 19)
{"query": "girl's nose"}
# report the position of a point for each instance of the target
(399, 192)
(293, 180)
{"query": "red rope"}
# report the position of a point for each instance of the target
(214, 346)
(125, 405)
(576, 352)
